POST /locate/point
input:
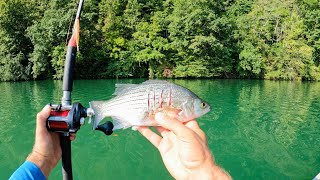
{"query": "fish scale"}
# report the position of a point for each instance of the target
(135, 104)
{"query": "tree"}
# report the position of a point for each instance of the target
(198, 34)
(116, 34)
(273, 44)
(153, 46)
(46, 34)
(310, 10)
(277, 39)
(15, 17)
(92, 59)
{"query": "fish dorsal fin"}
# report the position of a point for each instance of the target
(155, 82)
(123, 88)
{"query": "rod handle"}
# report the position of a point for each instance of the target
(65, 144)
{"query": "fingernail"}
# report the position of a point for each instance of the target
(47, 106)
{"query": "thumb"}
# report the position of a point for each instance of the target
(42, 116)
(177, 127)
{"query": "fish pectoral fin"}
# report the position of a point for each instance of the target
(118, 124)
(170, 111)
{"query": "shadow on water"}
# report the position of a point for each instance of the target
(260, 129)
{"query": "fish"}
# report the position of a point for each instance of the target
(135, 105)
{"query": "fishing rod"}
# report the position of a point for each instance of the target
(66, 117)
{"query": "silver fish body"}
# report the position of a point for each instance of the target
(136, 104)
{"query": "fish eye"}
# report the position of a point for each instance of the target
(203, 105)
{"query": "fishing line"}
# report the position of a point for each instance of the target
(68, 32)
(71, 18)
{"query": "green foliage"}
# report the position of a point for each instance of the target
(47, 33)
(250, 63)
(58, 58)
(277, 39)
(198, 35)
(15, 17)
(310, 10)
(92, 58)
(193, 69)
(273, 44)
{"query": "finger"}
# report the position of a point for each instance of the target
(42, 116)
(161, 130)
(193, 125)
(72, 136)
(154, 138)
(174, 125)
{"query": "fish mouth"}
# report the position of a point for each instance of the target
(202, 113)
(206, 111)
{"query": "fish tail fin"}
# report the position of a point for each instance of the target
(100, 111)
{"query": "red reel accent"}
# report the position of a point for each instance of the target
(59, 113)
(58, 125)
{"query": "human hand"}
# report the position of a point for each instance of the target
(46, 151)
(184, 149)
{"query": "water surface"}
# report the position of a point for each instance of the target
(256, 129)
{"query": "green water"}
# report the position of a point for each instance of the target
(256, 130)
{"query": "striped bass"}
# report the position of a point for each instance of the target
(136, 104)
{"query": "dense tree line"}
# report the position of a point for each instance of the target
(275, 39)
